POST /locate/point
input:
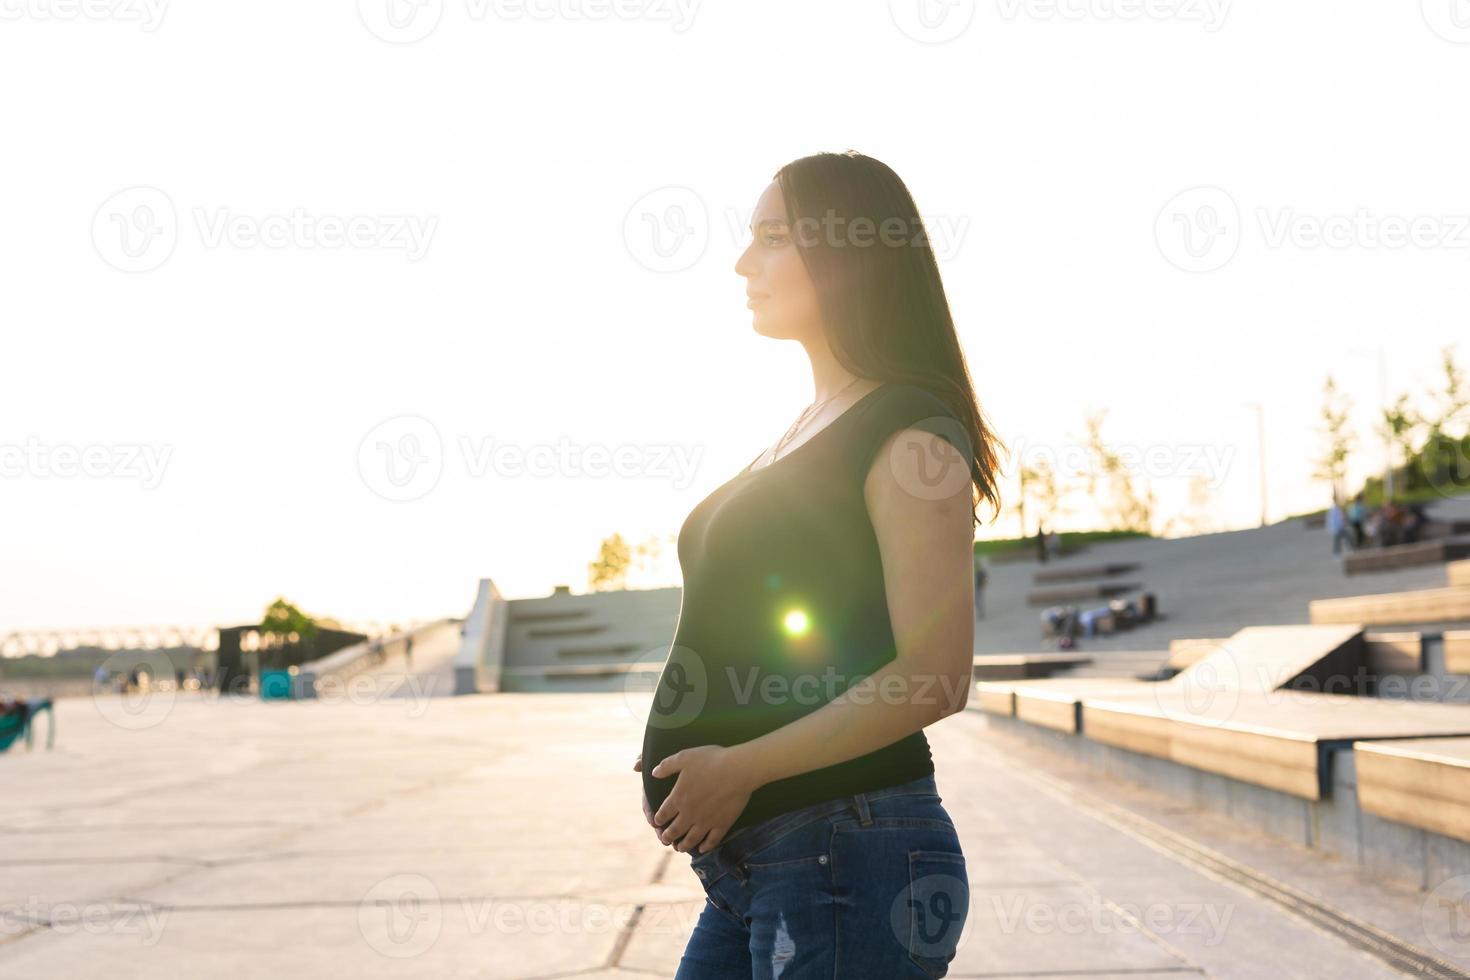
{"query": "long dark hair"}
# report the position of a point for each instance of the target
(884, 312)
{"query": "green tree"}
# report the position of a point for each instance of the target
(610, 569)
(1399, 428)
(1331, 465)
(1443, 461)
(616, 558)
(1130, 507)
(1200, 516)
(1044, 488)
(282, 627)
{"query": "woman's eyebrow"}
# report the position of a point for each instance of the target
(768, 221)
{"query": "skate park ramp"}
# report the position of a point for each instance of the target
(1256, 660)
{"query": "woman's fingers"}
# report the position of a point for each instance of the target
(638, 763)
(676, 829)
(692, 839)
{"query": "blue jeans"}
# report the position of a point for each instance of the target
(869, 885)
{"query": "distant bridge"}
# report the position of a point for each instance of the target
(49, 642)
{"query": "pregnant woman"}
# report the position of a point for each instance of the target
(828, 613)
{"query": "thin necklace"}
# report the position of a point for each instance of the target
(807, 414)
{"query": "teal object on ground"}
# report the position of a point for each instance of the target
(275, 684)
(22, 724)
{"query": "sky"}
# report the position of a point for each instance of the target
(357, 303)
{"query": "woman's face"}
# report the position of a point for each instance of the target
(780, 292)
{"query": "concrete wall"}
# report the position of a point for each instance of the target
(479, 663)
(621, 629)
(1334, 825)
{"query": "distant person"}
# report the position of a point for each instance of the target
(408, 650)
(1356, 513)
(1337, 527)
(982, 575)
(1414, 521)
(1391, 524)
(99, 678)
(1041, 554)
(1373, 533)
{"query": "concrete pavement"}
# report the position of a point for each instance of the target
(501, 836)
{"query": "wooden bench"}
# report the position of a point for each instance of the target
(1457, 573)
(1394, 653)
(1056, 702)
(1020, 666)
(1079, 593)
(1268, 658)
(1084, 571)
(1456, 651)
(1186, 653)
(1443, 529)
(1282, 740)
(1450, 604)
(1420, 782)
(1051, 702)
(1125, 665)
(1406, 555)
(1255, 659)
(996, 697)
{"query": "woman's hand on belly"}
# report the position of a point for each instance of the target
(643, 794)
(647, 810)
(710, 793)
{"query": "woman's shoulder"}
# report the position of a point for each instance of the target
(902, 402)
(901, 405)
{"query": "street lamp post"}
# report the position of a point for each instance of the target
(1261, 450)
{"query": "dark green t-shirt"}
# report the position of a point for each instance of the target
(784, 606)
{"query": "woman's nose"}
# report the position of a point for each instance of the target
(745, 265)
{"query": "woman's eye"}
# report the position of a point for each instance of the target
(775, 239)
